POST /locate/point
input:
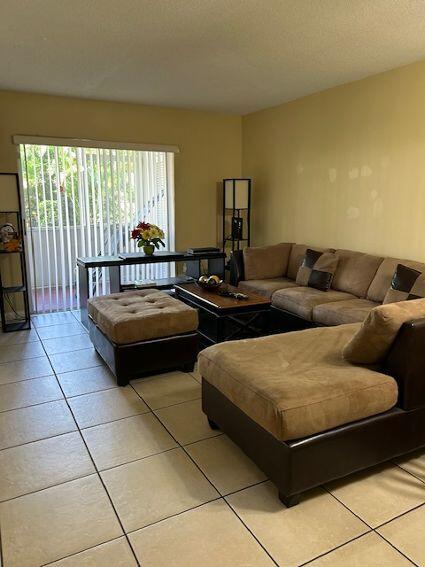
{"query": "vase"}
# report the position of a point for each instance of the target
(149, 249)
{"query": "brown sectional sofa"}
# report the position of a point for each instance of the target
(359, 284)
(304, 414)
(315, 405)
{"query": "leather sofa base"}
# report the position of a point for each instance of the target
(296, 466)
(135, 360)
(283, 321)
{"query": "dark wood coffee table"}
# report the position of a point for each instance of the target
(225, 318)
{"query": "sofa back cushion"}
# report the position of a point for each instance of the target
(355, 271)
(265, 262)
(382, 280)
(373, 340)
(297, 255)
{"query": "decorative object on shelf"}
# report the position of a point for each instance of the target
(205, 250)
(211, 283)
(14, 301)
(10, 240)
(236, 214)
(148, 236)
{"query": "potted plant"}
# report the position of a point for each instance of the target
(149, 236)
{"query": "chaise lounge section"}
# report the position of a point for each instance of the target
(306, 414)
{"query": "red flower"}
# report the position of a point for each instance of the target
(135, 233)
(143, 225)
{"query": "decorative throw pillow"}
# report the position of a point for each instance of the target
(406, 284)
(373, 340)
(317, 269)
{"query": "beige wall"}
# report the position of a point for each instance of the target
(344, 167)
(210, 146)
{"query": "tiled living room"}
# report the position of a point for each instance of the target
(212, 283)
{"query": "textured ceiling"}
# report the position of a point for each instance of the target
(227, 55)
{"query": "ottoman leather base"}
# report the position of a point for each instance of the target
(134, 360)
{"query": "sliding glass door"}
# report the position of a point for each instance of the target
(83, 201)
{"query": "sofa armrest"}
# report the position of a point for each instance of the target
(237, 269)
(406, 363)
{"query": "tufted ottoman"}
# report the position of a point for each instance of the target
(141, 332)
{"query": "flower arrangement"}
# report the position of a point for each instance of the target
(149, 236)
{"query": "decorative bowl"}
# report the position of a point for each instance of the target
(211, 283)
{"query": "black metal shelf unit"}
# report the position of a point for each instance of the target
(14, 310)
(236, 214)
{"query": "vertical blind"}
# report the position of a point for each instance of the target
(84, 201)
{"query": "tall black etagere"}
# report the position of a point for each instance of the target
(14, 302)
(236, 214)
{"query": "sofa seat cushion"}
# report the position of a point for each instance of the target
(265, 287)
(340, 312)
(136, 316)
(266, 262)
(302, 300)
(297, 384)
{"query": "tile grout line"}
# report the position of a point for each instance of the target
(82, 551)
(97, 471)
(394, 547)
(405, 470)
(371, 530)
(212, 484)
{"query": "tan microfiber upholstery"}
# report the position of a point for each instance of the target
(265, 262)
(355, 272)
(141, 315)
(381, 283)
(297, 384)
(341, 312)
(302, 300)
(296, 258)
(373, 340)
(265, 287)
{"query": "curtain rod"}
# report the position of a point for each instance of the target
(85, 143)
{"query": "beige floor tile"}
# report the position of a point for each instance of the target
(155, 488)
(196, 374)
(379, 494)
(227, 467)
(295, 535)
(414, 463)
(11, 353)
(105, 406)
(25, 370)
(116, 553)
(187, 422)
(69, 361)
(368, 550)
(18, 337)
(87, 380)
(211, 536)
(47, 319)
(63, 520)
(407, 534)
(67, 344)
(126, 440)
(59, 331)
(36, 422)
(167, 389)
(29, 393)
(41, 464)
